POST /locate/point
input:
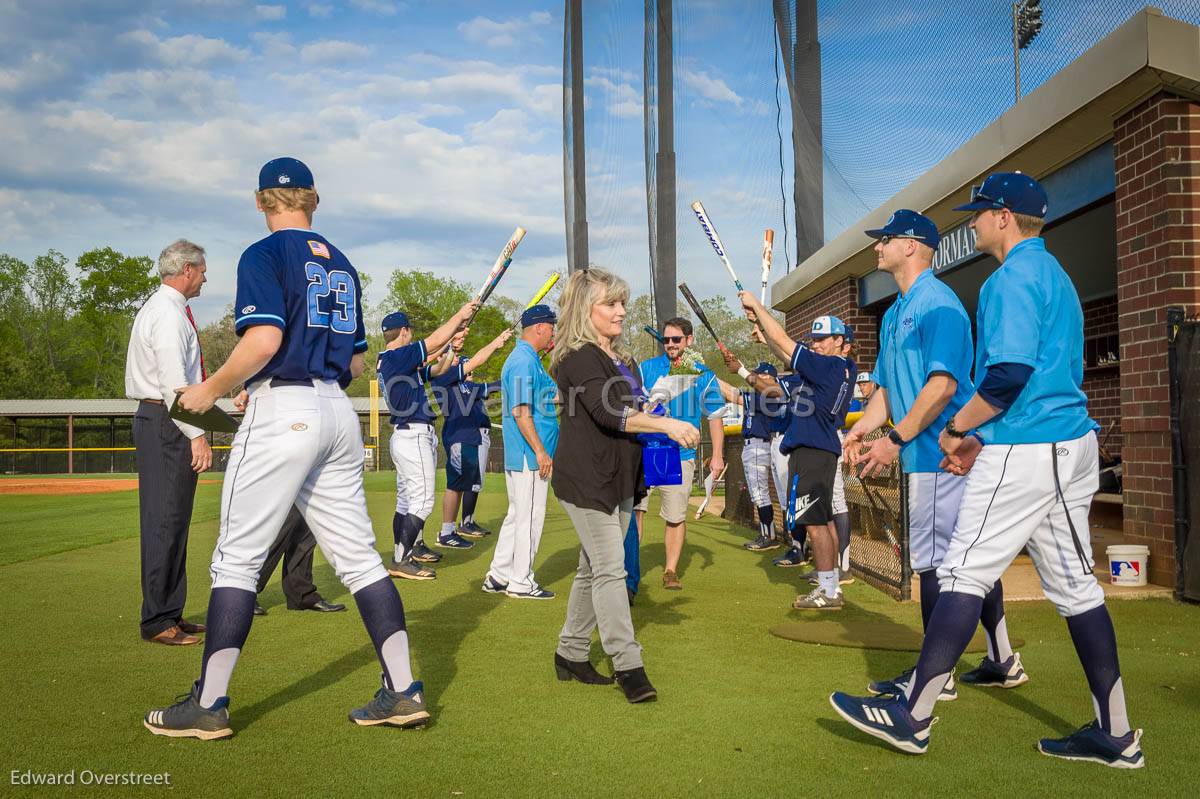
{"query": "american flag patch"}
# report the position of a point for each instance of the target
(318, 248)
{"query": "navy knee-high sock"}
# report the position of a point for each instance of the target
(766, 520)
(950, 629)
(383, 616)
(929, 596)
(230, 612)
(994, 626)
(841, 523)
(1096, 644)
(469, 499)
(799, 536)
(414, 528)
(398, 528)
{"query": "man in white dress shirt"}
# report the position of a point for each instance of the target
(164, 354)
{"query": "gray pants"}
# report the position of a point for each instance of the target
(598, 597)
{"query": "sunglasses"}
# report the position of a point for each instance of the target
(977, 194)
(885, 239)
(673, 339)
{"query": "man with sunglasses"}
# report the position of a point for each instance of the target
(1034, 468)
(923, 374)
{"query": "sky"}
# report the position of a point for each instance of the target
(434, 127)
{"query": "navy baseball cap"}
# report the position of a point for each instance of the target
(536, 314)
(1015, 191)
(395, 321)
(765, 368)
(906, 224)
(285, 173)
(849, 334)
(826, 326)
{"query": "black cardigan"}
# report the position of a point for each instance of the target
(597, 464)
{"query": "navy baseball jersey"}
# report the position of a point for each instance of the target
(402, 380)
(762, 416)
(461, 401)
(297, 281)
(818, 397)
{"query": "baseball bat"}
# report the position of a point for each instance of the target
(710, 483)
(657, 336)
(768, 244)
(544, 290)
(691, 300)
(715, 240)
(497, 272)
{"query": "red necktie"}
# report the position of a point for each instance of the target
(187, 309)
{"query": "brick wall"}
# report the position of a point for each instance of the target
(840, 300)
(1103, 385)
(1157, 154)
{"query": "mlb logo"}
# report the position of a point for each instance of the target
(318, 248)
(1126, 568)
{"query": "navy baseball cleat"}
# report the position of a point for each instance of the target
(423, 554)
(472, 530)
(452, 541)
(761, 544)
(885, 718)
(1093, 745)
(396, 708)
(186, 719)
(899, 684)
(537, 592)
(991, 674)
(793, 557)
(411, 571)
(491, 586)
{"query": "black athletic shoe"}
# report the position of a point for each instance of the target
(186, 719)
(991, 674)
(396, 708)
(761, 544)
(472, 530)
(793, 557)
(1093, 745)
(423, 554)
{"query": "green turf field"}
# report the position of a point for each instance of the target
(740, 713)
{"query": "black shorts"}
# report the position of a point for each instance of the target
(810, 485)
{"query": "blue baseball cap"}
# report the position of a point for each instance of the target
(849, 334)
(285, 173)
(1015, 191)
(826, 326)
(765, 368)
(906, 224)
(395, 321)
(536, 314)
(865, 377)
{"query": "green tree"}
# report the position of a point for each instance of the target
(112, 289)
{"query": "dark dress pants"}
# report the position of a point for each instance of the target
(295, 544)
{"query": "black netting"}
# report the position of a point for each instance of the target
(1186, 386)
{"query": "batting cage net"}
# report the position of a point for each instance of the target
(1185, 411)
(878, 526)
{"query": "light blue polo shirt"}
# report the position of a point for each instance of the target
(1029, 313)
(925, 331)
(702, 398)
(523, 381)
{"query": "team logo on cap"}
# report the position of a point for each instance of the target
(249, 309)
(319, 249)
(284, 179)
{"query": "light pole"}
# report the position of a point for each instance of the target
(1026, 25)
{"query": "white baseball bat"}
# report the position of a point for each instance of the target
(501, 262)
(707, 226)
(768, 244)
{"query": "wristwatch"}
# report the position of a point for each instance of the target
(953, 431)
(895, 437)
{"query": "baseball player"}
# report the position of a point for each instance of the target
(703, 397)
(1033, 468)
(817, 400)
(299, 319)
(466, 439)
(762, 417)
(864, 389)
(924, 377)
(403, 374)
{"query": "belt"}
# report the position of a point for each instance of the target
(276, 382)
(153, 401)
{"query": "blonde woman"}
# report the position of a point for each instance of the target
(602, 479)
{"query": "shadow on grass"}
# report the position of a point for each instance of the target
(327, 675)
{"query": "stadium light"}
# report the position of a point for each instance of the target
(1026, 25)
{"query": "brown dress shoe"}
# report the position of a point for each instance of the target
(188, 627)
(671, 581)
(173, 636)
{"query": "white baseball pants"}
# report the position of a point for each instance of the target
(1035, 496)
(302, 446)
(934, 499)
(521, 532)
(414, 454)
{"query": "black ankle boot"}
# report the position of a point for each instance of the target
(636, 685)
(584, 672)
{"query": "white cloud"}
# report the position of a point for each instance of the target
(509, 33)
(384, 8)
(189, 50)
(333, 51)
(270, 13)
(274, 45)
(319, 10)
(619, 99)
(710, 88)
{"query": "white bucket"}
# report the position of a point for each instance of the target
(1128, 565)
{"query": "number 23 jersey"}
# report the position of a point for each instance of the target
(297, 281)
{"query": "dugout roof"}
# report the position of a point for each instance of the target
(1068, 119)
